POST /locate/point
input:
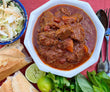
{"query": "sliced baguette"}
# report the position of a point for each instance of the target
(12, 59)
(9, 65)
(17, 83)
(13, 49)
(20, 84)
(7, 85)
(12, 52)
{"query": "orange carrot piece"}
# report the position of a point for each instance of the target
(85, 48)
(70, 45)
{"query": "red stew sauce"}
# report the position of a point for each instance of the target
(64, 37)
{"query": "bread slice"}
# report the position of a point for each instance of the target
(7, 85)
(13, 49)
(12, 52)
(17, 83)
(9, 65)
(20, 84)
(12, 59)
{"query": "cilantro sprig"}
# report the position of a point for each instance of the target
(61, 84)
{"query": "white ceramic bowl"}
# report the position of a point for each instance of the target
(28, 38)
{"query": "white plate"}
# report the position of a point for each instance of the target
(28, 38)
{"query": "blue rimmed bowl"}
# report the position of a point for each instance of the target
(24, 25)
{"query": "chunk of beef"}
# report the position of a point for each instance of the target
(51, 27)
(47, 18)
(54, 26)
(47, 38)
(72, 19)
(79, 17)
(47, 22)
(78, 33)
(69, 19)
(52, 55)
(64, 32)
(81, 50)
(70, 57)
(68, 44)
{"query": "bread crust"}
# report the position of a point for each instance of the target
(19, 80)
(10, 65)
(12, 52)
(7, 85)
(12, 59)
(17, 83)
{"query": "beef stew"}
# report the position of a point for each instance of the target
(64, 37)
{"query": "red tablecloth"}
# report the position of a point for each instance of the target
(30, 5)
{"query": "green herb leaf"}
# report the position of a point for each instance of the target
(98, 80)
(103, 75)
(51, 76)
(107, 81)
(93, 78)
(84, 84)
(105, 86)
(66, 82)
(77, 88)
(97, 89)
(62, 84)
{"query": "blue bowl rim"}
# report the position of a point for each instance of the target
(23, 30)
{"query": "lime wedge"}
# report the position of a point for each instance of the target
(33, 74)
